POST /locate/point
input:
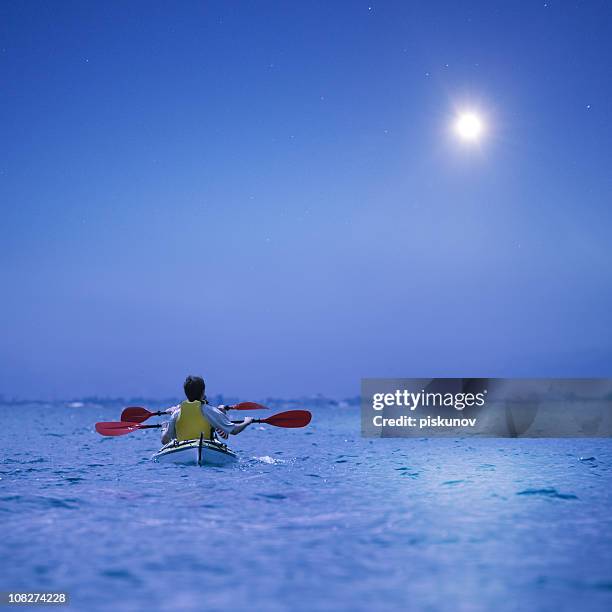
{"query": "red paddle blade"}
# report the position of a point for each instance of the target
(135, 414)
(116, 428)
(289, 419)
(249, 406)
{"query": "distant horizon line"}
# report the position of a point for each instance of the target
(93, 400)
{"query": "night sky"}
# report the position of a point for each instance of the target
(275, 195)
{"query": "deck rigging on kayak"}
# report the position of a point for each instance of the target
(196, 452)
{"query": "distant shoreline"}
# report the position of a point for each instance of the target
(101, 402)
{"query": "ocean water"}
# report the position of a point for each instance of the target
(311, 519)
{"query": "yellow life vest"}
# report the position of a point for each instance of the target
(191, 423)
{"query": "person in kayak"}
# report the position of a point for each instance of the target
(196, 416)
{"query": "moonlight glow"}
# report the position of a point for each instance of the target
(469, 127)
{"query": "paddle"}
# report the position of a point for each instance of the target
(289, 419)
(137, 414)
(120, 428)
(248, 406)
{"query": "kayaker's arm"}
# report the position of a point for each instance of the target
(238, 428)
(169, 429)
(219, 420)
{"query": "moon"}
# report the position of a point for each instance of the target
(469, 126)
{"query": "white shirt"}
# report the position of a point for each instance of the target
(216, 417)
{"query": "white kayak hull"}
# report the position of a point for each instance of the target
(189, 453)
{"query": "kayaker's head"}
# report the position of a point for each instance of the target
(194, 388)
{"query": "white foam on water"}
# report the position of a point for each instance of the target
(269, 460)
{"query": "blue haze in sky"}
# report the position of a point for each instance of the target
(270, 194)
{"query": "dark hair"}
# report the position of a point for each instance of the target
(194, 388)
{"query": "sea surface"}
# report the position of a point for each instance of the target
(309, 519)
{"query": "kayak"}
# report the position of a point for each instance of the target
(195, 452)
